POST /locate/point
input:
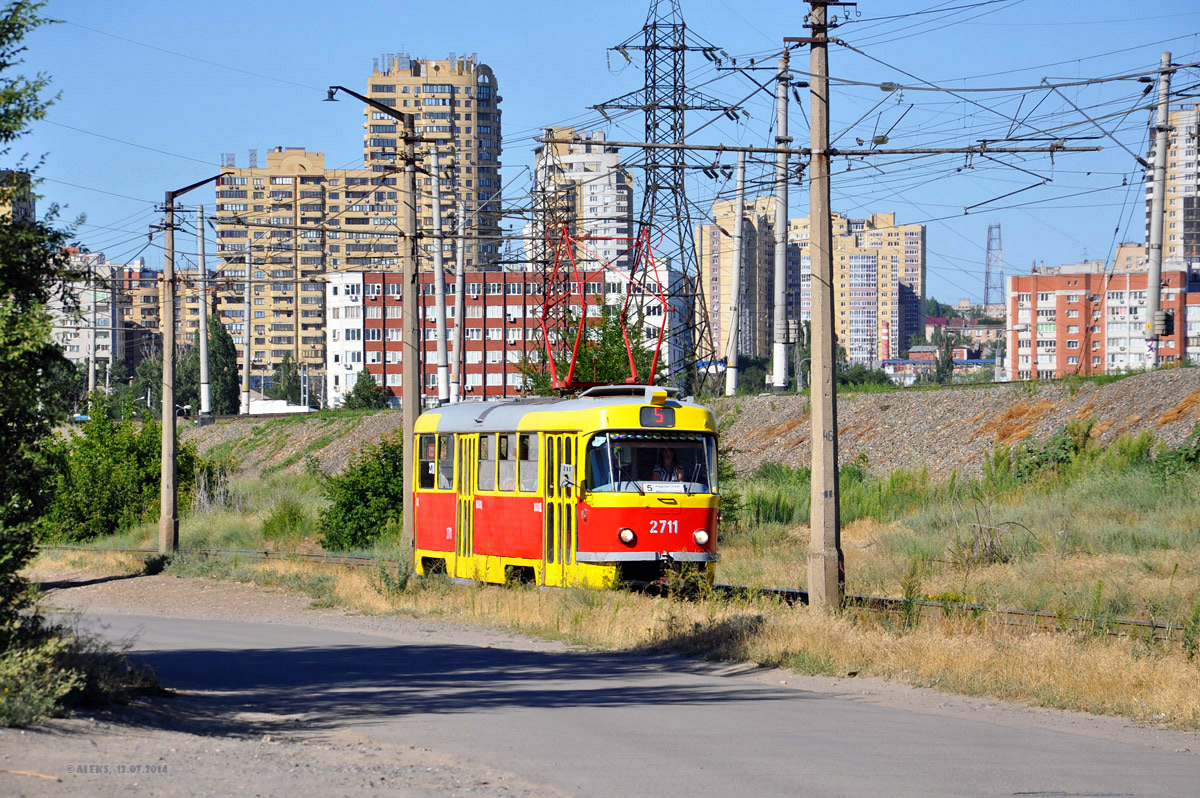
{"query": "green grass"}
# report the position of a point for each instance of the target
(1046, 524)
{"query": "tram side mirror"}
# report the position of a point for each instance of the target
(566, 475)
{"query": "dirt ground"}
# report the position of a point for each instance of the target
(155, 747)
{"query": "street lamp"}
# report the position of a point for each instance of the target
(410, 403)
(168, 518)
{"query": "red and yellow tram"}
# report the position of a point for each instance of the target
(618, 484)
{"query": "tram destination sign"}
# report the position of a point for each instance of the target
(658, 417)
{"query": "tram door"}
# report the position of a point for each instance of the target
(464, 517)
(558, 517)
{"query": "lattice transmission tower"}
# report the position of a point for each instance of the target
(993, 274)
(664, 42)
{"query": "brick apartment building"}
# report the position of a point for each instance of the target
(502, 331)
(1084, 320)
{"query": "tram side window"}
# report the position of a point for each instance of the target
(487, 462)
(445, 466)
(528, 452)
(427, 467)
(507, 456)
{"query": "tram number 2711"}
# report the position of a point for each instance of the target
(664, 527)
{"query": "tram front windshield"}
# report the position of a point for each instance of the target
(652, 463)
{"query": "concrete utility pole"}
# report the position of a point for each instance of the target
(826, 565)
(246, 327)
(410, 374)
(460, 305)
(202, 334)
(779, 358)
(410, 404)
(92, 343)
(168, 518)
(1155, 323)
(439, 282)
(735, 284)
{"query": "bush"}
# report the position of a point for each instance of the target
(108, 477)
(364, 497)
(288, 520)
(32, 682)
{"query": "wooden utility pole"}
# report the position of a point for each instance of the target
(1155, 322)
(826, 565)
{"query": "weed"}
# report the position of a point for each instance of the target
(910, 610)
(391, 582)
(1191, 633)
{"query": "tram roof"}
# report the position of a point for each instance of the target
(506, 416)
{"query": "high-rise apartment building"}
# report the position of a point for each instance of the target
(584, 186)
(714, 250)
(297, 220)
(879, 279)
(456, 105)
(88, 322)
(294, 219)
(879, 283)
(1181, 225)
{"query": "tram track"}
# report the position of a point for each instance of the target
(892, 607)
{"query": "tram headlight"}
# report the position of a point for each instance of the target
(701, 537)
(626, 536)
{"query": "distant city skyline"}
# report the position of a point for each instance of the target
(151, 97)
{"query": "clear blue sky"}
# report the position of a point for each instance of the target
(153, 93)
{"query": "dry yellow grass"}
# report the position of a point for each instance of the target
(1189, 404)
(1142, 680)
(107, 562)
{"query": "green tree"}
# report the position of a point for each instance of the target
(603, 358)
(35, 376)
(108, 475)
(944, 370)
(858, 374)
(287, 382)
(364, 498)
(146, 382)
(940, 309)
(366, 394)
(223, 377)
(187, 378)
(752, 375)
(223, 369)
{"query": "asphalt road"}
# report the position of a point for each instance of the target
(591, 724)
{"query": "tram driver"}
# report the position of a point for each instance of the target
(668, 469)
